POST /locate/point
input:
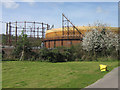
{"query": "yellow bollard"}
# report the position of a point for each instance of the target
(103, 67)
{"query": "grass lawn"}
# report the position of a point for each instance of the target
(26, 74)
(0, 70)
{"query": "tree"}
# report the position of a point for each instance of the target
(4, 39)
(100, 39)
(23, 48)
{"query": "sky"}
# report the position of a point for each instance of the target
(79, 13)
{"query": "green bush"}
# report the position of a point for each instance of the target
(44, 53)
(54, 55)
(63, 54)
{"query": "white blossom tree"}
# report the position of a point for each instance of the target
(99, 39)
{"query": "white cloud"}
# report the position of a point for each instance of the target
(10, 4)
(30, 2)
(101, 10)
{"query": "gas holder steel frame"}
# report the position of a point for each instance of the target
(32, 29)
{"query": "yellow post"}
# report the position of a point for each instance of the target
(103, 67)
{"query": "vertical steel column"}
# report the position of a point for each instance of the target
(42, 31)
(34, 29)
(30, 32)
(9, 33)
(68, 29)
(16, 32)
(43, 34)
(47, 27)
(25, 27)
(62, 25)
(38, 32)
(6, 28)
(62, 28)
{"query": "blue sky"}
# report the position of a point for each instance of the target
(79, 13)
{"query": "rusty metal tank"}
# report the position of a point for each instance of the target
(55, 38)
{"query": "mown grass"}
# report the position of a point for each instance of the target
(26, 74)
(0, 75)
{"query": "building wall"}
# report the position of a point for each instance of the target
(66, 43)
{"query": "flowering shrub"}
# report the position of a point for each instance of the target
(100, 40)
(97, 41)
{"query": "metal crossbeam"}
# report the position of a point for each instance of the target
(68, 31)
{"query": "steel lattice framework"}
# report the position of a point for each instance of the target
(36, 32)
(68, 35)
(66, 24)
(32, 29)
